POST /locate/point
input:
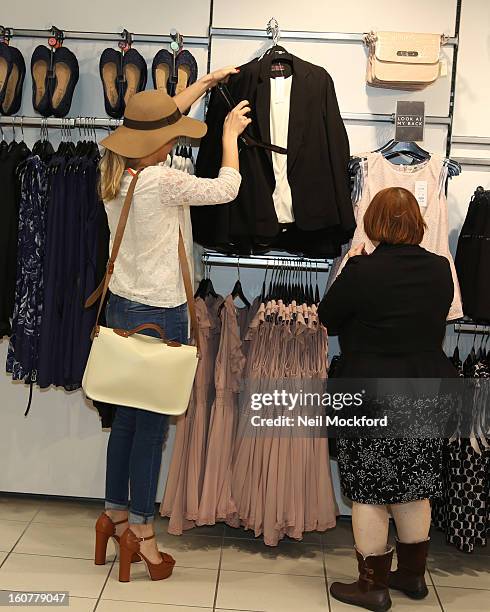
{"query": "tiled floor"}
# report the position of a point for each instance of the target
(48, 545)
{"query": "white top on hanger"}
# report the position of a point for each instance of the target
(279, 123)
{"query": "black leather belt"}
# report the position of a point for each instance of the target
(247, 140)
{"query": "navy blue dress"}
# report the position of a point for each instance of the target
(22, 357)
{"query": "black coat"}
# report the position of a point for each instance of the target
(318, 155)
(389, 310)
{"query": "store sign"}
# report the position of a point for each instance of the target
(409, 121)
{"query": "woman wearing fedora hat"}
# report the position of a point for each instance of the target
(147, 287)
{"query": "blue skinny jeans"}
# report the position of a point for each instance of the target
(134, 451)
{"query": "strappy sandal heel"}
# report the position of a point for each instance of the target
(105, 528)
(129, 546)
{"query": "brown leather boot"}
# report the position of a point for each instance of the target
(371, 589)
(409, 578)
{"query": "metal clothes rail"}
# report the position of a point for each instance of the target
(20, 121)
(472, 161)
(300, 35)
(390, 118)
(471, 328)
(474, 140)
(107, 122)
(266, 261)
(107, 36)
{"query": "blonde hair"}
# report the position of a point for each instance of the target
(112, 167)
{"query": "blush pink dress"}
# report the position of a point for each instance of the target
(186, 473)
(378, 173)
(281, 482)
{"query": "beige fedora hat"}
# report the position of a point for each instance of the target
(151, 119)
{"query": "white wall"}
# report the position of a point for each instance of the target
(60, 448)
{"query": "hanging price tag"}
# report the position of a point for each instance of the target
(409, 121)
(420, 193)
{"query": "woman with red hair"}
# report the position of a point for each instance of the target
(389, 310)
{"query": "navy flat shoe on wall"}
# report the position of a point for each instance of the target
(186, 70)
(135, 73)
(66, 73)
(5, 68)
(41, 96)
(13, 91)
(161, 70)
(111, 75)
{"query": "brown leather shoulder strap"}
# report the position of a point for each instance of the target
(102, 289)
(186, 275)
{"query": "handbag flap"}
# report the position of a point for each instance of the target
(407, 47)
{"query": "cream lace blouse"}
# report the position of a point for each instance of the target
(147, 268)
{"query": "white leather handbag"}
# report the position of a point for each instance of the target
(403, 60)
(127, 368)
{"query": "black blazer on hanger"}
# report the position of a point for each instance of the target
(318, 155)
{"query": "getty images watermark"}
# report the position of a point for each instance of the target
(283, 410)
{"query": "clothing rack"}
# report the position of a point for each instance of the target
(105, 36)
(266, 261)
(300, 35)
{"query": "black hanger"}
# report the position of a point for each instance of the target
(394, 149)
(263, 292)
(282, 61)
(311, 296)
(43, 148)
(317, 292)
(4, 145)
(206, 287)
(237, 290)
(13, 142)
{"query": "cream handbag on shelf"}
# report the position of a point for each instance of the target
(403, 60)
(131, 369)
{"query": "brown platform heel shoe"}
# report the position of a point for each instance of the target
(130, 545)
(409, 577)
(105, 528)
(371, 589)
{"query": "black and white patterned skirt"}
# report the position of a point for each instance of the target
(390, 471)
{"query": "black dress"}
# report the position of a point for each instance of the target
(389, 310)
(473, 257)
(11, 156)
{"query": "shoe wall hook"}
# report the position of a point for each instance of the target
(55, 41)
(5, 35)
(126, 42)
(176, 46)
